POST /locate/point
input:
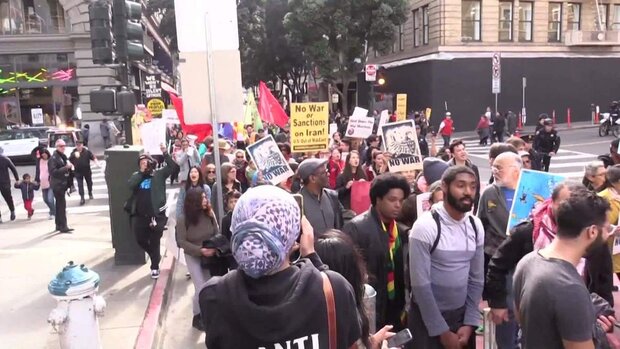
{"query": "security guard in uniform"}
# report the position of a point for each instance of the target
(547, 143)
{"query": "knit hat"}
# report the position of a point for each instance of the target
(265, 225)
(433, 169)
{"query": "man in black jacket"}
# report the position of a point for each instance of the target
(5, 182)
(498, 285)
(321, 205)
(59, 168)
(547, 143)
(613, 158)
(148, 204)
(81, 158)
(382, 245)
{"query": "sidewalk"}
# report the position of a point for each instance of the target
(529, 129)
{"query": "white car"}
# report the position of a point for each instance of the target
(18, 143)
(69, 135)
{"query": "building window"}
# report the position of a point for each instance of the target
(505, 21)
(401, 38)
(470, 21)
(425, 24)
(24, 17)
(574, 16)
(602, 12)
(526, 18)
(555, 22)
(417, 27)
(616, 23)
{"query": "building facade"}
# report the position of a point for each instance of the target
(566, 52)
(46, 63)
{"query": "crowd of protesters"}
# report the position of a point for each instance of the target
(430, 272)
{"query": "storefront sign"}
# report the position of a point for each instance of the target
(401, 106)
(309, 127)
(152, 92)
(37, 116)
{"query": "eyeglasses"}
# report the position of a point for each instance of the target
(239, 157)
(210, 171)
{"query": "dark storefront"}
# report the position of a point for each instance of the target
(465, 85)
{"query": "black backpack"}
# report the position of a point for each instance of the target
(435, 215)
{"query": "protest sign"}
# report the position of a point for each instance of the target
(152, 134)
(427, 113)
(152, 93)
(360, 125)
(309, 127)
(383, 119)
(333, 128)
(269, 160)
(423, 203)
(360, 199)
(401, 142)
(534, 187)
(170, 116)
(401, 106)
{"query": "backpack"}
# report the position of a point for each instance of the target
(435, 215)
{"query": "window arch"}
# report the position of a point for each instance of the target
(31, 17)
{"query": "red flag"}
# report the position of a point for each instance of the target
(269, 108)
(201, 131)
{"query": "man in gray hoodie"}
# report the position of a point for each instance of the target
(446, 267)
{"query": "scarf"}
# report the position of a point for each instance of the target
(544, 225)
(394, 245)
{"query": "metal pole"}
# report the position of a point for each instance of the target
(214, 123)
(523, 113)
(371, 104)
(124, 68)
(496, 103)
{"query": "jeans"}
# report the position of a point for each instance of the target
(89, 183)
(8, 197)
(199, 277)
(506, 332)
(446, 141)
(48, 198)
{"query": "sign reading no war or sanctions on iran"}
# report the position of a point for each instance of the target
(309, 127)
(152, 92)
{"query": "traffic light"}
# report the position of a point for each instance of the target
(126, 102)
(103, 100)
(100, 17)
(381, 76)
(128, 31)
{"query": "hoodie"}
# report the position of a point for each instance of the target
(284, 310)
(452, 276)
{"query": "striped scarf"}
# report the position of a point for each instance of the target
(394, 245)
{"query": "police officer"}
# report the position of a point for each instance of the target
(614, 113)
(547, 143)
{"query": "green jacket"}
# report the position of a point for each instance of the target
(158, 185)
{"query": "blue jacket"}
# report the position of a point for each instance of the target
(27, 188)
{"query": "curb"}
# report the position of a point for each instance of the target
(563, 127)
(149, 334)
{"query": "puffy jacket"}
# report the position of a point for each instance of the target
(158, 187)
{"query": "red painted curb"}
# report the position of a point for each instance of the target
(147, 336)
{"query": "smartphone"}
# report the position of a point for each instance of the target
(401, 338)
(300, 202)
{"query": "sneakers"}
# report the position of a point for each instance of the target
(90, 196)
(12, 215)
(82, 201)
(154, 274)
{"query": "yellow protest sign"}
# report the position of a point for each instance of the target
(156, 106)
(401, 106)
(309, 127)
(428, 113)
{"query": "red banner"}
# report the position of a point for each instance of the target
(360, 200)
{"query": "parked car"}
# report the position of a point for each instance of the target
(69, 135)
(18, 143)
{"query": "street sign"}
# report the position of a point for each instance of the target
(371, 72)
(496, 73)
(37, 116)
(335, 98)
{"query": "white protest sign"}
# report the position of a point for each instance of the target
(360, 125)
(423, 203)
(170, 116)
(37, 116)
(333, 128)
(153, 134)
(401, 142)
(383, 119)
(269, 160)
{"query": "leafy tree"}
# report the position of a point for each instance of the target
(168, 23)
(336, 34)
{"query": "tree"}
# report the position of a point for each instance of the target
(266, 52)
(337, 34)
(168, 23)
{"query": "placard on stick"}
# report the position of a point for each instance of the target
(401, 141)
(309, 127)
(269, 160)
